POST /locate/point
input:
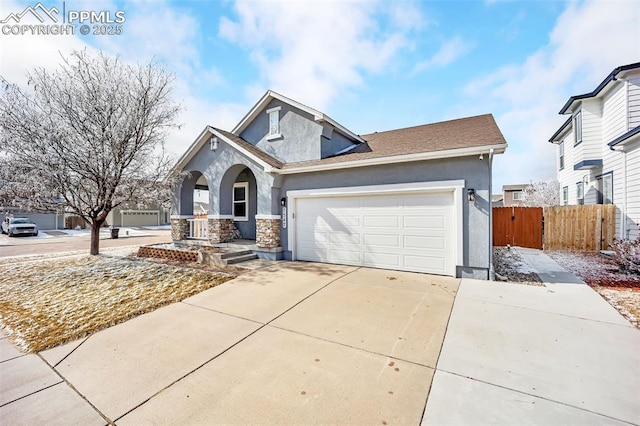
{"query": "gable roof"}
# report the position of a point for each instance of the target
(453, 138)
(603, 84)
(317, 115)
(265, 160)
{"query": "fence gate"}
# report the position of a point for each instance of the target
(517, 226)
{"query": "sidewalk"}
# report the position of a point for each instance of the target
(549, 271)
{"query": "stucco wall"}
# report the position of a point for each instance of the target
(218, 167)
(471, 169)
(300, 139)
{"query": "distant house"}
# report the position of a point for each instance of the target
(44, 220)
(305, 187)
(138, 217)
(598, 148)
(200, 209)
(496, 200)
(512, 195)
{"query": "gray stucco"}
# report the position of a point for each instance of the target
(471, 169)
(304, 139)
(221, 168)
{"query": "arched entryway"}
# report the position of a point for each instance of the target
(239, 199)
(193, 208)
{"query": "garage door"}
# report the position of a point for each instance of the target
(410, 231)
(140, 218)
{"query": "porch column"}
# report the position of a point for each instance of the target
(268, 231)
(180, 227)
(220, 228)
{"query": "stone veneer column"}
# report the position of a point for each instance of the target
(268, 231)
(220, 229)
(179, 228)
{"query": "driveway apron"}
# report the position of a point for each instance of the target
(291, 343)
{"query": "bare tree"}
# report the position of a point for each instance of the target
(87, 136)
(541, 194)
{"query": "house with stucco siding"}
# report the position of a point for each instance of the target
(305, 187)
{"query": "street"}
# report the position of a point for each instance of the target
(65, 241)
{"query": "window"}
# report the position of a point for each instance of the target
(274, 122)
(240, 201)
(577, 128)
(580, 191)
(517, 195)
(561, 155)
(605, 189)
(565, 195)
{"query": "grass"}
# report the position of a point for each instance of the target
(47, 303)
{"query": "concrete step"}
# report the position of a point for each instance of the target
(234, 253)
(240, 259)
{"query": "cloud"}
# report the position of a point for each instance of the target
(447, 54)
(588, 40)
(314, 51)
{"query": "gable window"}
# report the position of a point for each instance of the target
(580, 192)
(577, 128)
(565, 195)
(241, 201)
(274, 122)
(517, 195)
(605, 188)
(561, 155)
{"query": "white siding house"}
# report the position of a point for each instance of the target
(599, 148)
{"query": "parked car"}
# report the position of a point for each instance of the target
(19, 226)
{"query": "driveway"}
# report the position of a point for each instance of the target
(292, 343)
(302, 343)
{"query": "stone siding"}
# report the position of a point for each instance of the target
(179, 229)
(220, 230)
(268, 233)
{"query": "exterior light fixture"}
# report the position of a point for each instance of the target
(283, 201)
(214, 143)
(481, 156)
(471, 194)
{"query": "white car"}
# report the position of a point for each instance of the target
(19, 226)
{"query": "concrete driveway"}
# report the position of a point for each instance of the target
(303, 343)
(292, 343)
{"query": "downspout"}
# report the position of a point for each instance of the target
(624, 233)
(492, 273)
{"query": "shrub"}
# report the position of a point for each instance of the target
(627, 254)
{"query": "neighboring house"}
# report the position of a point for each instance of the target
(137, 217)
(200, 208)
(307, 188)
(512, 195)
(44, 220)
(599, 148)
(497, 200)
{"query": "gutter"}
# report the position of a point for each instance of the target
(623, 218)
(448, 153)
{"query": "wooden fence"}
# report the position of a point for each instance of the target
(585, 228)
(517, 226)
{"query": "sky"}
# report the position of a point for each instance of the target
(370, 65)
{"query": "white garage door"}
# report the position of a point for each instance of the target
(140, 218)
(411, 231)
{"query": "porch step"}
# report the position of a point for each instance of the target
(237, 253)
(239, 259)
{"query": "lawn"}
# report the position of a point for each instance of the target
(46, 303)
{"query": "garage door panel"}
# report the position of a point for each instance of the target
(436, 264)
(382, 260)
(411, 231)
(425, 242)
(381, 240)
(383, 201)
(345, 239)
(425, 222)
(381, 221)
(444, 199)
(349, 257)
